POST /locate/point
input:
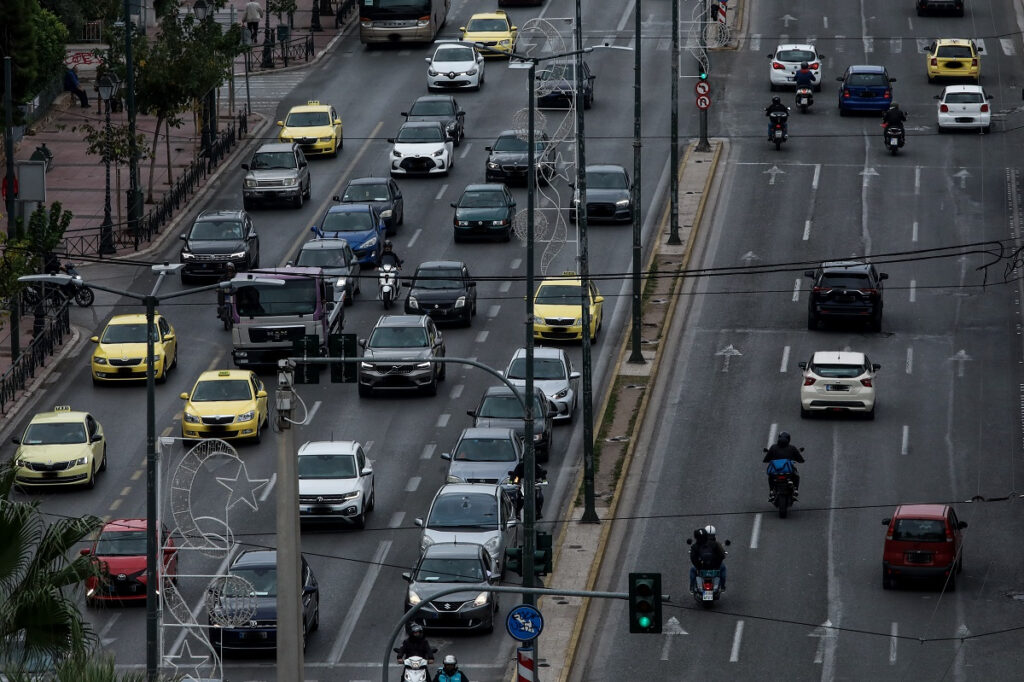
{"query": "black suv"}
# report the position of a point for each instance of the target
(507, 159)
(556, 85)
(398, 353)
(444, 290)
(217, 238)
(845, 290)
(443, 109)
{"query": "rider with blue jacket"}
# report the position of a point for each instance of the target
(804, 77)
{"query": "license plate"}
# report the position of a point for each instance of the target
(893, 141)
(835, 387)
(709, 595)
(321, 510)
(124, 370)
(49, 474)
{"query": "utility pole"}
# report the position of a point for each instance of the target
(673, 187)
(134, 195)
(704, 65)
(12, 224)
(530, 456)
(635, 356)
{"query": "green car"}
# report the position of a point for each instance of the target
(487, 211)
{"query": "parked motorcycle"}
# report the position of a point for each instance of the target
(707, 588)
(388, 284)
(782, 487)
(778, 121)
(894, 137)
(57, 294)
(804, 98)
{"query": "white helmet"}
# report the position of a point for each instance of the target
(450, 660)
(710, 530)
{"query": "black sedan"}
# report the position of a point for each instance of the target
(217, 238)
(487, 210)
(507, 162)
(443, 109)
(383, 193)
(556, 85)
(444, 290)
(609, 195)
(444, 565)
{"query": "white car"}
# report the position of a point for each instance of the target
(552, 373)
(786, 60)
(838, 381)
(421, 148)
(455, 65)
(963, 106)
(335, 482)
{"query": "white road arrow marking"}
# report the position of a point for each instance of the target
(671, 628)
(773, 171)
(786, 19)
(728, 352)
(960, 357)
(867, 174)
(749, 257)
(822, 632)
(963, 175)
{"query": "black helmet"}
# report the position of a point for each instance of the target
(783, 439)
(230, 267)
(776, 100)
(804, 65)
(388, 245)
(894, 107)
(416, 629)
(700, 535)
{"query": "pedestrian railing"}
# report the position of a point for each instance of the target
(274, 55)
(49, 337)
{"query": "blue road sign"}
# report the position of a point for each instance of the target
(524, 622)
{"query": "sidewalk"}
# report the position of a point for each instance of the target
(76, 179)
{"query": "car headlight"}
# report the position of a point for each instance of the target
(438, 152)
(537, 437)
(246, 416)
(431, 72)
(462, 223)
(413, 303)
(80, 461)
(460, 301)
(369, 243)
(99, 361)
(455, 479)
(622, 203)
(450, 127)
(185, 255)
(192, 418)
(578, 321)
(482, 599)
(155, 359)
(290, 182)
(471, 71)
(504, 42)
(493, 165)
(350, 496)
(492, 544)
(538, 320)
(21, 463)
(561, 394)
(422, 365)
(237, 254)
(285, 138)
(366, 365)
(326, 139)
(395, 153)
(499, 222)
(250, 183)
(414, 598)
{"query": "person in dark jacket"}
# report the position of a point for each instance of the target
(784, 450)
(389, 257)
(706, 553)
(416, 644)
(74, 86)
(894, 116)
(519, 476)
(776, 106)
(804, 77)
(449, 671)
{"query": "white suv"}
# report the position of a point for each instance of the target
(335, 482)
(838, 381)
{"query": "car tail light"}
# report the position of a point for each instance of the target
(866, 382)
(984, 108)
(820, 290)
(944, 109)
(974, 62)
(868, 292)
(846, 93)
(778, 66)
(935, 62)
(809, 381)
(888, 94)
(814, 66)
(708, 585)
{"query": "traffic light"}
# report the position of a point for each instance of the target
(342, 346)
(543, 556)
(645, 603)
(514, 559)
(306, 347)
(703, 75)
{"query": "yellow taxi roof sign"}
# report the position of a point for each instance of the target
(61, 408)
(312, 102)
(224, 373)
(569, 273)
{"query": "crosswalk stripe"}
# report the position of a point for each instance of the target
(840, 44)
(896, 45)
(755, 42)
(1008, 47)
(922, 45)
(981, 46)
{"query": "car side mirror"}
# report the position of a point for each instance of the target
(728, 542)
(309, 589)
(875, 367)
(446, 455)
(961, 525)
(988, 96)
(689, 541)
(886, 522)
(574, 375)
(366, 471)
(244, 166)
(85, 552)
(821, 57)
(883, 275)
(418, 522)
(362, 342)
(454, 205)
(336, 198)
(839, 78)
(337, 121)
(261, 393)
(488, 148)
(892, 80)
(428, 60)
(391, 140)
(404, 113)
(407, 577)
(183, 236)
(802, 365)
(936, 96)
(96, 438)
(460, 112)
(771, 55)
(183, 396)
(809, 273)
(471, 413)
(94, 339)
(599, 299)
(303, 164)
(471, 284)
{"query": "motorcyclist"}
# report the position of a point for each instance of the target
(707, 553)
(518, 475)
(804, 77)
(389, 257)
(894, 116)
(784, 450)
(222, 293)
(449, 671)
(777, 106)
(416, 644)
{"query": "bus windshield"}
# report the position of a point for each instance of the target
(394, 9)
(296, 297)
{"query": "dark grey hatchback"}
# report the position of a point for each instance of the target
(444, 290)
(499, 407)
(464, 565)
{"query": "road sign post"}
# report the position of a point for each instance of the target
(703, 102)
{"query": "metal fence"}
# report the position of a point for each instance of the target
(48, 338)
(278, 54)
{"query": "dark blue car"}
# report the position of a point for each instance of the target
(865, 88)
(361, 225)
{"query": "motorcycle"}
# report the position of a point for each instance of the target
(707, 588)
(224, 312)
(804, 98)
(894, 137)
(778, 121)
(56, 295)
(388, 284)
(414, 668)
(514, 486)
(782, 490)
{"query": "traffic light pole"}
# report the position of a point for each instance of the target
(704, 145)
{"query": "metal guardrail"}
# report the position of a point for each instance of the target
(49, 338)
(280, 53)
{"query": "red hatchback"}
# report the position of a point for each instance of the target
(923, 541)
(120, 551)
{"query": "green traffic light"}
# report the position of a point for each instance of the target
(644, 622)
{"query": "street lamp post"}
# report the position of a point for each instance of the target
(201, 11)
(108, 86)
(268, 42)
(134, 193)
(635, 356)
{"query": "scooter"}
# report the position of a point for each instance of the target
(778, 121)
(388, 284)
(894, 137)
(707, 588)
(515, 487)
(414, 668)
(804, 98)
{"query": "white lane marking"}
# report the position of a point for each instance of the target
(913, 290)
(822, 632)
(796, 291)
(1008, 47)
(106, 628)
(428, 450)
(755, 41)
(457, 391)
(905, 440)
(917, 179)
(910, 359)
(493, 311)
(516, 262)
(396, 519)
(440, 192)
(755, 532)
(627, 13)
(415, 236)
(867, 173)
(356, 606)
(922, 45)
(913, 232)
(896, 45)
(807, 230)
(737, 639)
(824, 21)
(312, 411)
(367, 446)
(785, 360)
(404, 53)
(268, 487)
(482, 336)
(869, 44)
(772, 431)
(465, 149)
(835, 605)
(910, 25)
(413, 484)
(840, 43)
(442, 421)
(816, 177)
(894, 632)
(505, 286)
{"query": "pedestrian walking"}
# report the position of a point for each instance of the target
(74, 86)
(253, 14)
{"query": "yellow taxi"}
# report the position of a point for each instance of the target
(120, 353)
(62, 447)
(228, 404)
(557, 309)
(493, 29)
(953, 58)
(313, 126)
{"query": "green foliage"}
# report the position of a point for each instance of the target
(280, 7)
(50, 38)
(18, 41)
(113, 145)
(23, 256)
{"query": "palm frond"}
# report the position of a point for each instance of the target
(21, 528)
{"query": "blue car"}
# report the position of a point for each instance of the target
(865, 88)
(361, 225)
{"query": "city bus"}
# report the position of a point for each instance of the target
(401, 21)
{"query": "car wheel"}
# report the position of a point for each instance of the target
(372, 502)
(246, 204)
(950, 584)
(103, 462)
(162, 377)
(174, 360)
(986, 129)
(842, 112)
(299, 199)
(920, 12)
(443, 374)
(812, 322)
(258, 438)
(876, 323)
(360, 521)
(930, 79)
(870, 414)
(305, 635)
(489, 628)
(91, 483)
(431, 388)
(508, 236)
(773, 86)
(316, 617)
(888, 582)
(805, 414)
(960, 565)
(456, 238)
(940, 129)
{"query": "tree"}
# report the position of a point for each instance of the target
(113, 145)
(18, 41)
(23, 256)
(50, 38)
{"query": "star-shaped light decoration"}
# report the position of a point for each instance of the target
(187, 663)
(242, 489)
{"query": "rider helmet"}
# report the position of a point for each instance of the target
(804, 65)
(710, 531)
(450, 664)
(388, 245)
(783, 439)
(776, 100)
(416, 630)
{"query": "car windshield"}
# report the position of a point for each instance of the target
(837, 371)
(263, 579)
(795, 56)
(868, 79)
(307, 119)
(398, 337)
(54, 433)
(222, 389)
(845, 280)
(322, 258)
(327, 466)
(216, 230)
(294, 297)
(438, 279)
(506, 407)
(347, 221)
(606, 180)
(491, 25)
(919, 530)
(557, 72)
(121, 543)
(964, 98)
(127, 333)
(485, 450)
(419, 134)
(272, 160)
(559, 294)
(450, 571)
(514, 143)
(432, 107)
(543, 368)
(954, 52)
(366, 192)
(461, 510)
(454, 54)
(481, 199)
